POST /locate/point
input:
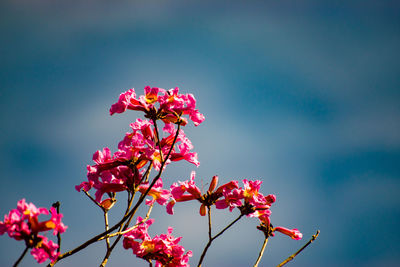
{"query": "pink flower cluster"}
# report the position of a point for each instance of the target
(172, 105)
(247, 199)
(164, 249)
(124, 169)
(22, 223)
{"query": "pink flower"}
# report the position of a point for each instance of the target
(293, 233)
(140, 232)
(172, 103)
(123, 102)
(250, 192)
(151, 94)
(22, 223)
(127, 100)
(185, 191)
(160, 195)
(164, 249)
(232, 199)
(54, 223)
(109, 174)
(45, 249)
(178, 191)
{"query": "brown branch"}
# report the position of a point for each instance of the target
(261, 252)
(106, 228)
(92, 199)
(131, 228)
(215, 237)
(209, 223)
(21, 257)
(300, 250)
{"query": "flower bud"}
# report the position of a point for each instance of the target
(213, 184)
(293, 233)
(108, 203)
(203, 210)
(270, 199)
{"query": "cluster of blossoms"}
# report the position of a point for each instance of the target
(128, 169)
(247, 199)
(142, 149)
(172, 105)
(22, 223)
(164, 249)
(124, 170)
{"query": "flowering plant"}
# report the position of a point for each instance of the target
(143, 149)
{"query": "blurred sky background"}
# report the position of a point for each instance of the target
(303, 95)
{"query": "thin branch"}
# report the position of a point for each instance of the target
(21, 257)
(131, 228)
(209, 223)
(147, 173)
(215, 237)
(261, 252)
(106, 228)
(226, 228)
(110, 248)
(92, 199)
(300, 250)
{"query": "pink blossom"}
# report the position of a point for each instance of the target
(164, 249)
(150, 95)
(173, 103)
(127, 100)
(45, 249)
(160, 195)
(140, 232)
(108, 174)
(123, 102)
(185, 191)
(250, 192)
(179, 189)
(232, 199)
(23, 223)
(54, 223)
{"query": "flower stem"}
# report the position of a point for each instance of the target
(300, 250)
(20, 257)
(261, 252)
(92, 199)
(215, 237)
(209, 223)
(106, 228)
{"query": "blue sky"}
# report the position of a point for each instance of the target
(304, 96)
